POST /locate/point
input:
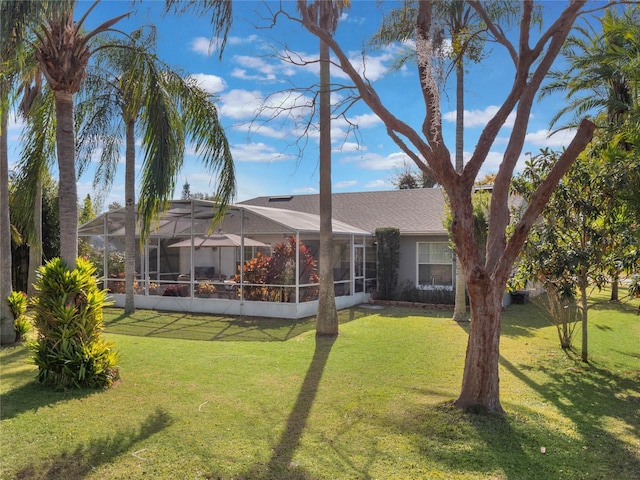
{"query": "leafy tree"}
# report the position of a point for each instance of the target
(602, 81)
(407, 178)
(87, 212)
(486, 276)
(186, 191)
(575, 243)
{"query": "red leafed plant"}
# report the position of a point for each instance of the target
(280, 269)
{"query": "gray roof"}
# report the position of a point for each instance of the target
(414, 212)
(183, 217)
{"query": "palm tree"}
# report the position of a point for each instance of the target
(16, 19)
(325, 14)
(136, 93)
(63, 53)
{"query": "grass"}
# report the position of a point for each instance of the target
(220, 398)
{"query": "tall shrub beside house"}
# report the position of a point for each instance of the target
(388, 261)
(70, 351)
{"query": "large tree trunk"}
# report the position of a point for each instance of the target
(35, 246)
(7, 332)
(327, 319)
(460, 308)
(480, 382)
(130, 219)
(68, 194)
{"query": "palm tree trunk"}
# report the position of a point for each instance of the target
(460, 308)
(7, 332)
(68, 194)
(327, 319)
(35, 246)
(130, 219)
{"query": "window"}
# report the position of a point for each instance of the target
(435, 264)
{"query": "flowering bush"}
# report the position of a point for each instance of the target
(206, 289)
(176, 291)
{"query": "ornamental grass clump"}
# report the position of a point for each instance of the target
(69, 350)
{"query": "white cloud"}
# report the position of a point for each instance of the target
(257, 152)
(345, 184)
(350, 147)
(204, 46)
(374, 161)
(211, 83)
(240, 104)
(305, 190)
(242, 40)
(378, 184)
(479, 118)
(541, 138)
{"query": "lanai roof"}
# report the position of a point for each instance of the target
(252, 220)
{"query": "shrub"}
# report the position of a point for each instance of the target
(280, 269)
(409, 293)
(176, 291)
(18, 305)
(388, 261)
(69, 350)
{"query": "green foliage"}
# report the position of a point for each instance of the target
(583, 234)
(388, 261)
(18, 305)
(280, 269)
(87, 211)
(69, 350)
(409, 293)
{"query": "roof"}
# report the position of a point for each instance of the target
(413, 211)
(195, 216)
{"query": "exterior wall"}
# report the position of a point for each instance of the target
(220, 306)
(408, 270)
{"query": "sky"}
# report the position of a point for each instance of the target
(272, 155)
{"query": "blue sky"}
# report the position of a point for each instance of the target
(271, 155)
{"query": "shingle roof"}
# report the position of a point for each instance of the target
(414, 212)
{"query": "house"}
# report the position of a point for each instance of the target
(189, 264)
(426, 261)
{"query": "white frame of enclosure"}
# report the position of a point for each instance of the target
(274, 222)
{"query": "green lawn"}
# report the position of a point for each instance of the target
(207, 398)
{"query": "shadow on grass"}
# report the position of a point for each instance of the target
(33, 396)
(281, 465)
(596, 401)
(190, 326)
(86, 457)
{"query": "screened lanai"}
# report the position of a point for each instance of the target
(257, 261)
